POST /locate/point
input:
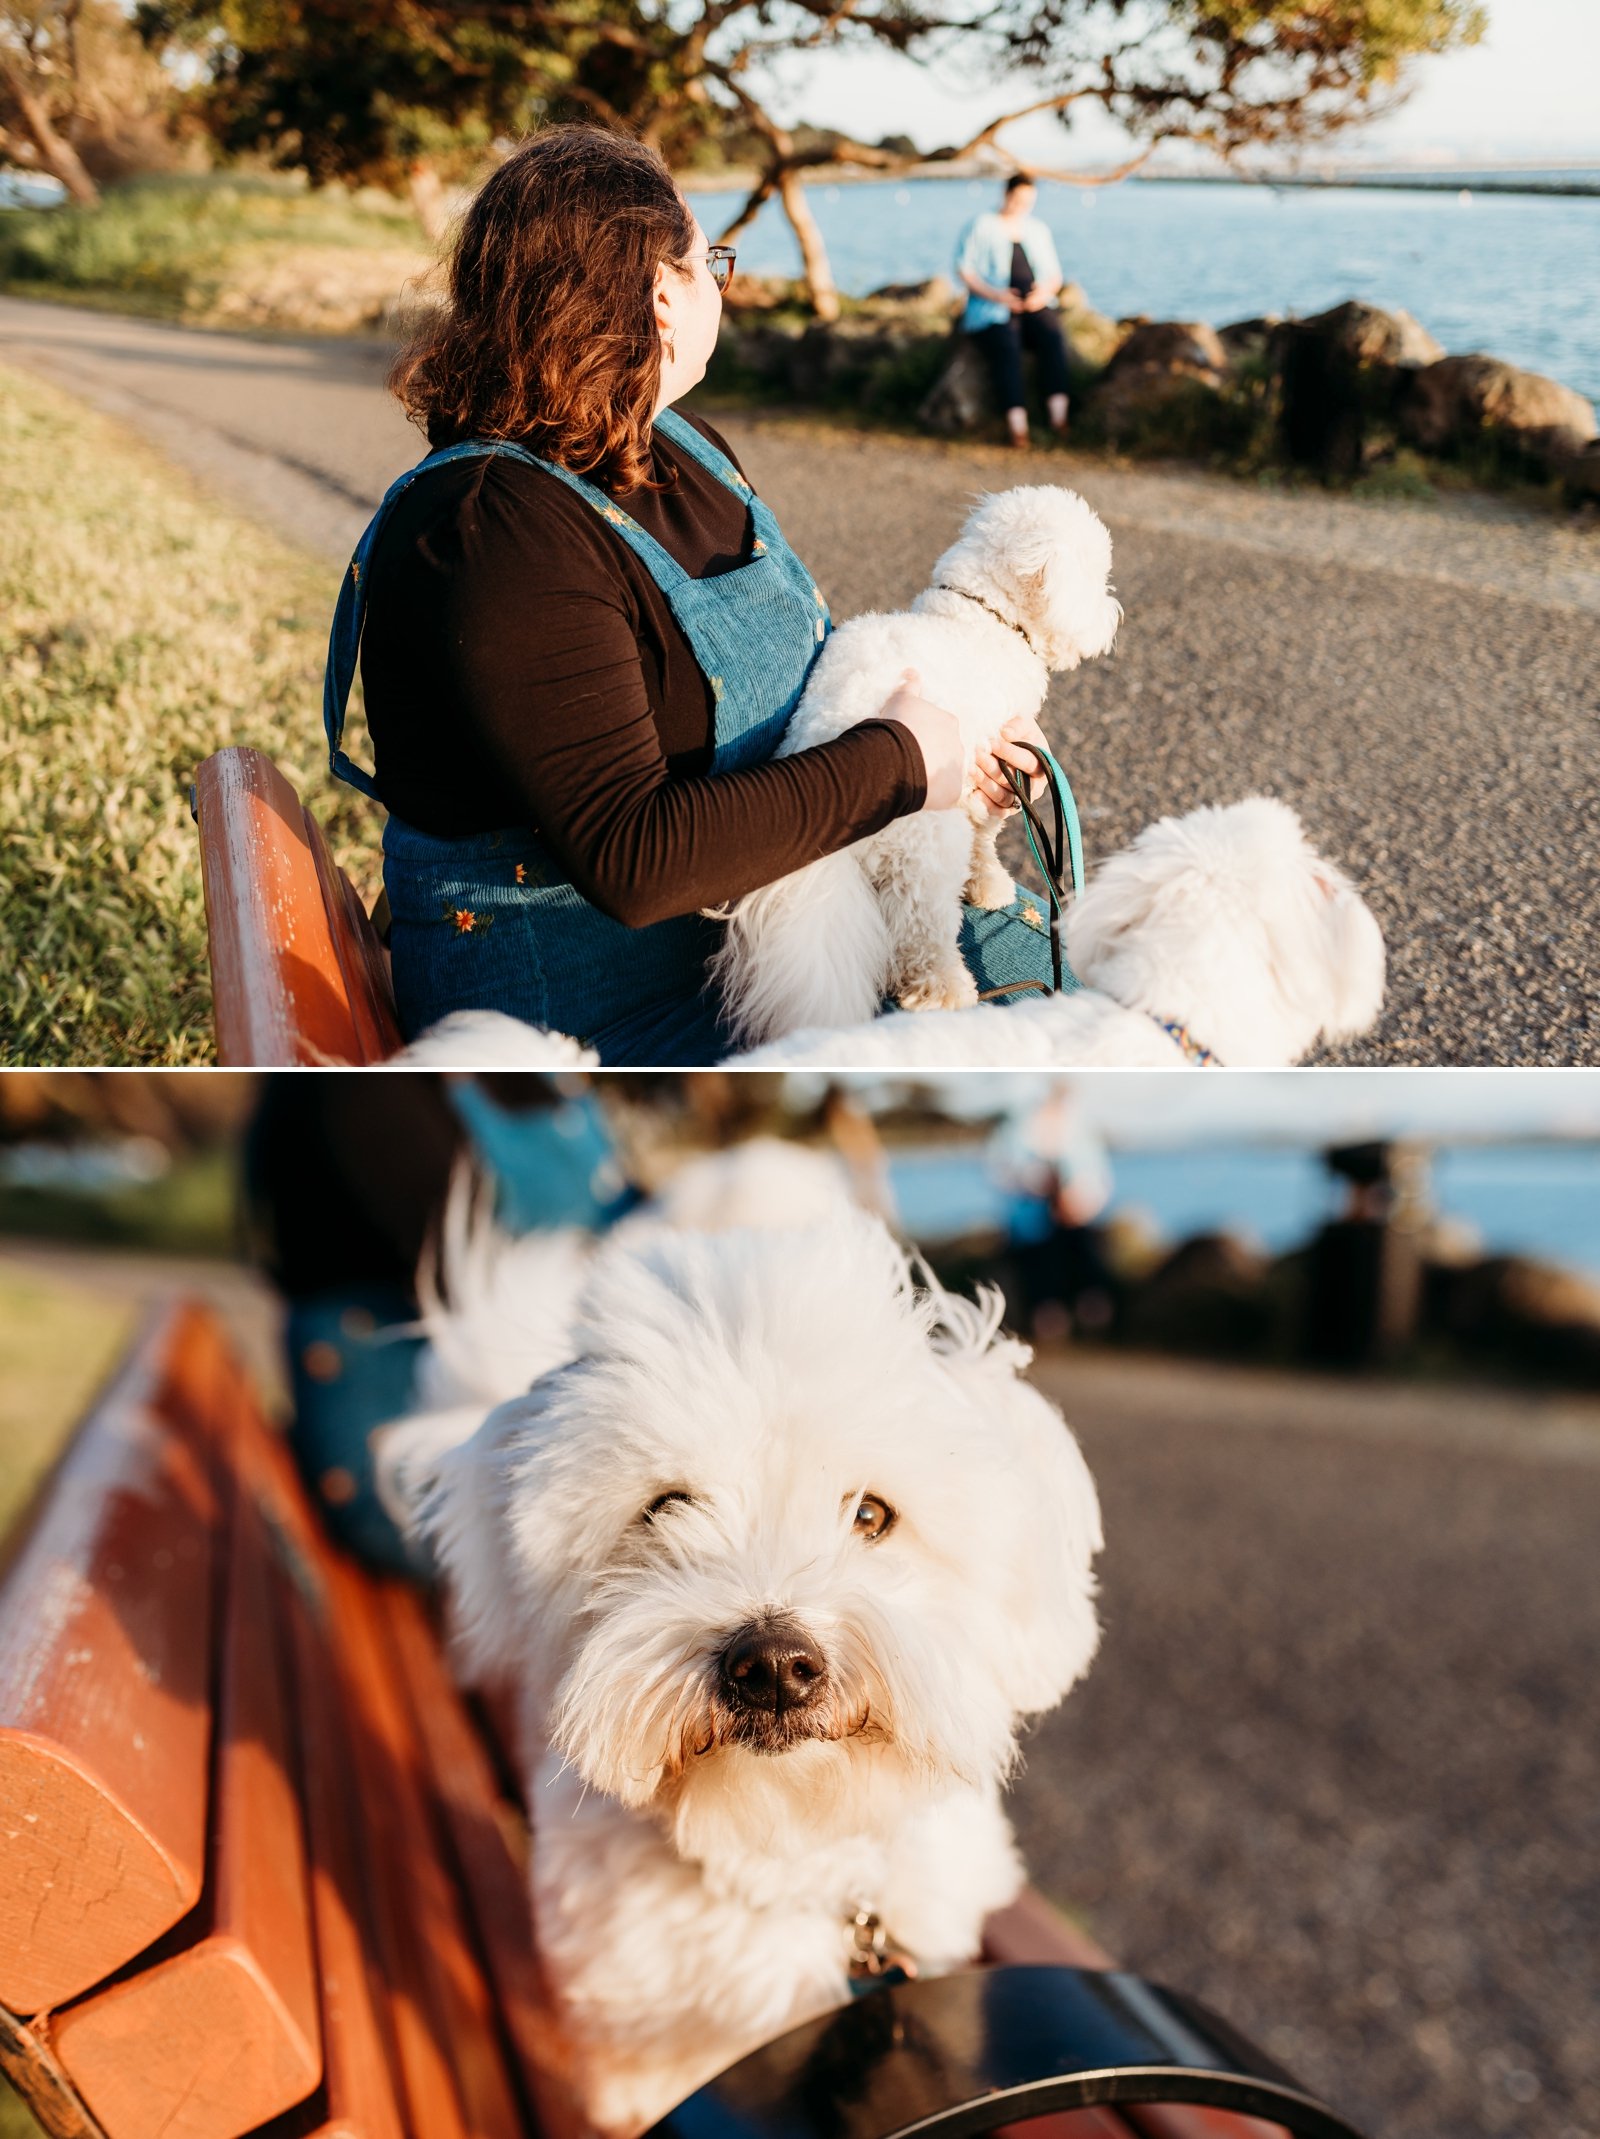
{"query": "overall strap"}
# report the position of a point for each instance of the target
(344, 640)
(350, 611)
(683, 435)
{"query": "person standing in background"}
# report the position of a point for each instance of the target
(1007, 264)
(1055, 1181)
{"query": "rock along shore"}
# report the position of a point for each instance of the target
(1344, 394)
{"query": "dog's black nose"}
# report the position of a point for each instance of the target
(772, 1666)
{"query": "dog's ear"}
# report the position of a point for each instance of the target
(1047, 1632)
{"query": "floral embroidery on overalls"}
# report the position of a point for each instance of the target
(464, 920)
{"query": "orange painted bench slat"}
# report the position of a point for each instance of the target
(221, 2031)
(489, 1849)
(105, 1671)
(358, 2098)
(298, 976)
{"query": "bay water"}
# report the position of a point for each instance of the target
(1516, 275)
(1540, 1199)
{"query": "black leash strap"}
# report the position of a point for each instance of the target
(1050, 853)
(988, 2048)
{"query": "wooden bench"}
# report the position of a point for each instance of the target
(298, 975)
(261, 1867)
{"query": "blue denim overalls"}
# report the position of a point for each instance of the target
(493, 922)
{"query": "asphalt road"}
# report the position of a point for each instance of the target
(1421, 681)
(1337, 1766)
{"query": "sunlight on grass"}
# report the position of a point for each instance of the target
(57, 1344)
(174, 246)
(141, 628)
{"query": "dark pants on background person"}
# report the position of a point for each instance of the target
(1002, 346)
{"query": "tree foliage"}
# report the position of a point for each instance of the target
(373, 89)
(80, 98)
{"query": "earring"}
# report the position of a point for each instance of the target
(669, 348)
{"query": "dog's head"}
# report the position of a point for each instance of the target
(1042, 558)
(1229, 922)
(787, 1530)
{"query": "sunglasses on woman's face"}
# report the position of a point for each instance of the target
(719, 264)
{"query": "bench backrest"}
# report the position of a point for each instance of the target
(298, 976)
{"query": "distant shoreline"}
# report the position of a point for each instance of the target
(1507, 181)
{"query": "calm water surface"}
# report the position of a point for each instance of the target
(1517, 275)
(1532, 1199)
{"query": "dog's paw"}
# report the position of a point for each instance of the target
(952, 988)
(990, 887)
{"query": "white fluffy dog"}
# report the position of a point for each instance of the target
(1221, 937)
(1022, 592)
(776, 1552)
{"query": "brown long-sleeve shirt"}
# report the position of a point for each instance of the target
(521, 667)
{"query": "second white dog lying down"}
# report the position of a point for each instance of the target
(775, 1564)
(1021, 593)
(1217, 937)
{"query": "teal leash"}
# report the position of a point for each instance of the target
(1051, 855)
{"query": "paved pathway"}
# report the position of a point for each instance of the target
(1423, 682)
(1337, 1766)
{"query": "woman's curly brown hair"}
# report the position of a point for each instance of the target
(550, 333)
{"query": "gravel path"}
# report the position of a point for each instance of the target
(1337, 1766)
(1421, 681)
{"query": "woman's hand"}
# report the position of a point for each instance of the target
(1013, 747)
(938, 736)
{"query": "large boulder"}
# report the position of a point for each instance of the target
(1579, 469)
(1539, 1318)
(838, 360)
(1212, 1294)
(962, 397)
(1461, 400)
(1343, 374)
(935, 296)
(1251, 341)
(1160, 369)
(1092, 339)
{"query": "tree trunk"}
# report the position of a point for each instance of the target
(813, 253)
(427, 199)
(55, 152)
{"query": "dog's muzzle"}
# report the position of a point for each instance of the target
(769, 1674)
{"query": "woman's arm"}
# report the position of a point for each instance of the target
(560, 708)
(980, 288)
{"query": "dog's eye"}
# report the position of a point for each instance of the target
(664, 1500)
(874, 1517)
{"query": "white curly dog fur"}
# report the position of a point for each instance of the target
(776, 1553)
(1225, 924)
(1022, 592)
(1224, 929)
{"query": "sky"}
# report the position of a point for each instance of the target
(1529, 92)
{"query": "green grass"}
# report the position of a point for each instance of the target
(171, 246)
(191, 1209)
(57, 1344)
(141, 628)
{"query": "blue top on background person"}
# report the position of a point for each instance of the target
(984, 251)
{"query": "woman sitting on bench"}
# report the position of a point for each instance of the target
(581, 635)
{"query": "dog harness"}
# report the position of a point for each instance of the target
(874, 1958)
(1192, 1051)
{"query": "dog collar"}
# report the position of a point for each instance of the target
(968, 596)
(1192, 1051)
(874, 1957)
